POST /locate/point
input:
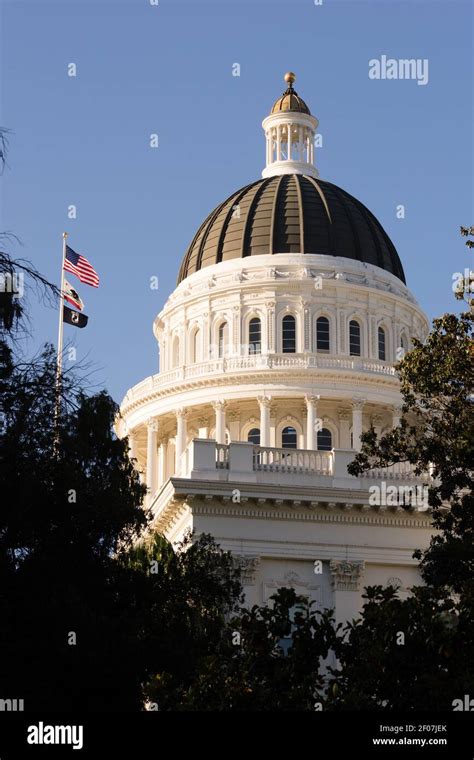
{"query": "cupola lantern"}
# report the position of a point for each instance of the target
(289, 131)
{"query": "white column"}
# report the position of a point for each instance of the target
(347, 579)
(234, 425)
(180, 435)
(300, 144)
(206, 336)
(163, 462)
(288, 132)
(264, 404)
(270, 327)
(203, 429)
(273, 426)
(396, 415)
(151, 452)
(132, 444)
(306, 326)
(160, 468)
(278, 143)
(236, 332)
(171, 460)
(357, 407)
(219, 408)
(343, 331)
(311, 410)
(344, 430)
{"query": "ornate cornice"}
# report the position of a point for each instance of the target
(345, 381)
(354, 276)
(170, 515)
(319, 502)
(334, 514)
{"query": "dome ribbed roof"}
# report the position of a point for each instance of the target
(290, 101)
(291, 213)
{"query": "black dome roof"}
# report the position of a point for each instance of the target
(291, 213)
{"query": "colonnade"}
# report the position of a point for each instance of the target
(158, 467)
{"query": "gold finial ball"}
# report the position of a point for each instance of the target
(289, 77)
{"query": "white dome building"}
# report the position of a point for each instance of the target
(276, 351)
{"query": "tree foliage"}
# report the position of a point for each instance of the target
(436, 434)
(412, 653)
(269, 658)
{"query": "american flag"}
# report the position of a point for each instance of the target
(81, 267)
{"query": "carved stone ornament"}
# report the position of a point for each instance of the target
(248, 567)
(395, 582)
(346, 574)
(152, 424)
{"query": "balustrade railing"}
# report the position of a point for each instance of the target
(222, 456)
(258, 361)
(397, 471)
(292, 460)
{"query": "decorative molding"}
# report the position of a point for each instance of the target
(304, 375)
(294, 581)
(346, 575)
(395, 582)
(346, 515)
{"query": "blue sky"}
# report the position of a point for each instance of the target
(167, 69)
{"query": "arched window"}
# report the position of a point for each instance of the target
(354, 338)
(382, 351)
(403, 346)
(289, 438)
(324, 439)
(175, 352)
(254, 436)
(255, 336)
(196, 346)
(222, 339)
(288, 334)
(322, 334)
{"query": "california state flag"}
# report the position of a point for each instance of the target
(72, 296)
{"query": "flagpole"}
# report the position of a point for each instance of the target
(59, 360)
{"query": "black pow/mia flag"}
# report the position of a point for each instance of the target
(74, 318)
